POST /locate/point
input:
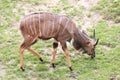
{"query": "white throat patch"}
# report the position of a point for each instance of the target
(71, 42)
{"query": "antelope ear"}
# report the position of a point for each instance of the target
(87, 42)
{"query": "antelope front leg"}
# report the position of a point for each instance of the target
(64, 47)
(68, 58)
(55, 45)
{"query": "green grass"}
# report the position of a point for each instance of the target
(105, 64)
(110, 9)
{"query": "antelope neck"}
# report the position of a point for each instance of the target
(81, 38)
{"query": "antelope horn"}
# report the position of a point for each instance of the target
(96, 42)
(94, 35)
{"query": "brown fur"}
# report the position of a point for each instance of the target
(48, 25)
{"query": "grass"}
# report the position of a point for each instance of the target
(105, 65)
(110, 9)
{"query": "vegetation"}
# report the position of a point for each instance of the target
(110, 9)
(103, 67)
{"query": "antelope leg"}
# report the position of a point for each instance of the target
(35, 53)
(55, 45)
(64, 47)
(21, 59)
(68, 59)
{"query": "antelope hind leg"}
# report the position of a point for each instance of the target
(35, 53)
(21, 58)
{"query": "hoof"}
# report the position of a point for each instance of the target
(92, 57)
(23, 69)
(41, 60)
(70, 68)
(53, 65)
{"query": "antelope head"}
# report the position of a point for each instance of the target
(90, 45)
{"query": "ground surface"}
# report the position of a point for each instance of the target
(102, 15)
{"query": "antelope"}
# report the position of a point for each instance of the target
(61, 28)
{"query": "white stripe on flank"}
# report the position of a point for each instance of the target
(53, 25)
(31, 26)
(39, 23)
(66, 25)
(26, 31)
(34, 25)
(47, 30)
(72, 29)
(44, 25)
(60, 21)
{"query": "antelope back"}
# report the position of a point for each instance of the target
(46, 25)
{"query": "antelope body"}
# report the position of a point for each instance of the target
(60, 27)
